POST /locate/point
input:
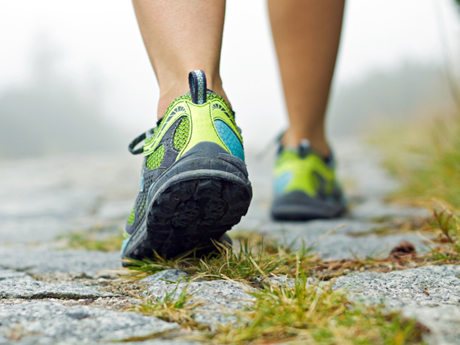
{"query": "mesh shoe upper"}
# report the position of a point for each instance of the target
(302, 178)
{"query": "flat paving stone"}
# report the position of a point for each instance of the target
(173, 275)
(217, 300)
(424, 286)
(339, 244)
(14, 275)
(43, 198)
(20, 285)
(429, 294)
(43, 259)
(158, 342)
(52, 323)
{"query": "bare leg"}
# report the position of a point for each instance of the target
(182, 36)
(306, 35)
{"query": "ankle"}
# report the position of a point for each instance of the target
(217, 87)
(317, 141)
(166, 98)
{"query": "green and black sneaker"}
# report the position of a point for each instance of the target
(306, 186)
(195, 184)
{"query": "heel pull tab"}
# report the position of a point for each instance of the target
(304, 148)
(198, 87)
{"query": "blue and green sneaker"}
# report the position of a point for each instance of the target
(305, 186)
(194, 183)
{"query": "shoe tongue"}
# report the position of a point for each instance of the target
(198, 86)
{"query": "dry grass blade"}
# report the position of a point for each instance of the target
(314, 315)
(242, 264)
(265, 257)
(173, 307)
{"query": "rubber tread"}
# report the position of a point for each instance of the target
(191, 213)
(297, 206)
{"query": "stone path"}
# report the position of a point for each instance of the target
(50, 295)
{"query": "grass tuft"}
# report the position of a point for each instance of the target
(425, 158)
(291, 313)
(297, 314)
(448, 225)
(267, 258)
(426, 161)
(172, 308)
(241, 264)
(314, 315)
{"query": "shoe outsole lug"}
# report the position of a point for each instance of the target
(305, 214)
(192, 213)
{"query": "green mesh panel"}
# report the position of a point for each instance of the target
(182, 133)
(155, 158)
(131, 217)
(140, 204)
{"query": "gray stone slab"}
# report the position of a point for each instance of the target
(339, 244)
(10, 274)
(43, 259)
(30, 230)
(438, 308)
(63, 194)
(19, 285)
(172, 275)
(347, 247)
(36, 290)
(443, 322)
(373, 208)
(51, 323)
(158, 342)
(219, 299)
(406, 288)
(37, 341)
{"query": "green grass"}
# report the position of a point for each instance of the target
(257, 256)
(312, 315)
(448, 225)
(243, 264)
(425, 158)
(298, 314)
(172, 307)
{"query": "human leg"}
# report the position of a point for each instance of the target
(182, 36)
(306, 35)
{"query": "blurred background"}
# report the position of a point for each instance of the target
(75, 77)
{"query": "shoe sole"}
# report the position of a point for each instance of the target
(296, 213)
(192, 205)
(297, 206)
